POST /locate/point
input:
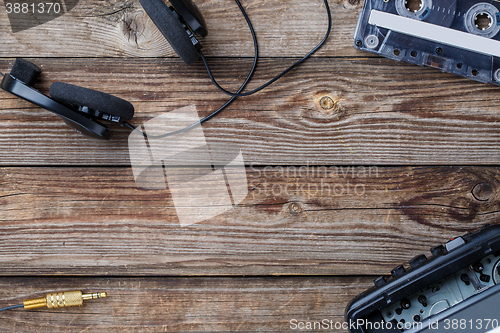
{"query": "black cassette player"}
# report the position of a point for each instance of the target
(457, 289)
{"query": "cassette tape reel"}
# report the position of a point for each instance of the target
(461, 37)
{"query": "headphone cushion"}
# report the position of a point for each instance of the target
(172, 29)
(96, 100)
(25, 71)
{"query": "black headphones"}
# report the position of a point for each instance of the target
(82, 108)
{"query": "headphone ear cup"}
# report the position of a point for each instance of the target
(25, 71)
(172, 29)
(96, 100)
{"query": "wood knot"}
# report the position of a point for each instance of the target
(295, 208)
(352, 4)
(133, 26)
(482, 191)
(327, 103)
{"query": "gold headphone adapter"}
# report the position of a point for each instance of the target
(62, 299)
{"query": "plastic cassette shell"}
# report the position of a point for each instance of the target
(477, 20)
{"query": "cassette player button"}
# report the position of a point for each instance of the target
(380, 281)
(398, 271)
(418, 260)
(455, 243)
(437, 250)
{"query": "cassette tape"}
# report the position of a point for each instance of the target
(459, 37)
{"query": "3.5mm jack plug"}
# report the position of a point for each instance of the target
(62, 299)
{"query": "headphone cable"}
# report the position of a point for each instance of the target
(213, 114)
(12, 307)
(238, 93)
(276, 78)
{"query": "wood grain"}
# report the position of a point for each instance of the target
(298, 221)
(323, 215)
(384, 113)
(180, 304)
(121, 28)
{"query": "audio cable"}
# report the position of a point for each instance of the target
(239, 92)
(213, 114)
(56, 300)
(279, 76)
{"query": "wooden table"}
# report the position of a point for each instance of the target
(411, 152)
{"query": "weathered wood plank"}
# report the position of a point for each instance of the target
(343, 221)
(182, 305)
(121, 28)
(384, 112)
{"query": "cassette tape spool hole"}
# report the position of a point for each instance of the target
(439, 12)
(482, 20)
(415, 9)
(414, 6)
